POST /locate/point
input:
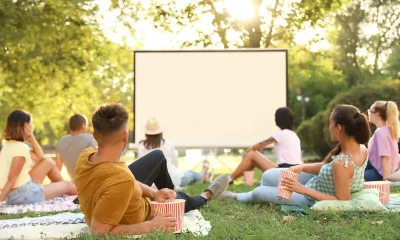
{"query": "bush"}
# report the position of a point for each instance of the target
(314, 133)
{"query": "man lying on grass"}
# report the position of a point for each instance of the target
(113, 196)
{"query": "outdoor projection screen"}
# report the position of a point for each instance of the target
(223, 98)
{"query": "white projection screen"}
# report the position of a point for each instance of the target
(206, 98)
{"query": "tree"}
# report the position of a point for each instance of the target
(392, 68)
(369, 26)
(312, 75)
(314, 133)
(273, 23)
(56, 62)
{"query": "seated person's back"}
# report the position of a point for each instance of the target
(109, 185)
(69, 147)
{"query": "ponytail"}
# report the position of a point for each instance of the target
(362, 132)
(392, 118)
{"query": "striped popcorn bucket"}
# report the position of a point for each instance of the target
(282, 192)
(384, 190)
(176, 208)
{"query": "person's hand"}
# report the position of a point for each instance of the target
(297, 169)
(164, 223)
(164, 195)
(28, 131)
(294, 186)
(251, 148)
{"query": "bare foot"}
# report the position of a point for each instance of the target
(206, 174)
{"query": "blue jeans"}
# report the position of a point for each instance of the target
(191, 177)
(266, 193)
(28, 193)
(371, 174)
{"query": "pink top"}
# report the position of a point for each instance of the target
(382, 144)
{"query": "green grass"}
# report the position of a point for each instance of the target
(233, 220)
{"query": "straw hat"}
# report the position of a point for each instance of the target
(153, 127)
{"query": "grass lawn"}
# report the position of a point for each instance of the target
(233, 220)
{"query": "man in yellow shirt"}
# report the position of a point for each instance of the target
(112, 196)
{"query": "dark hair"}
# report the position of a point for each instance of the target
(355, 124)
(109, 118)
(15, 128)
(284, 118)
(76, 122)
(153, 141)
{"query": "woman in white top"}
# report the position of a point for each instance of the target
(20, 181)
(154, 140)
(286, 145)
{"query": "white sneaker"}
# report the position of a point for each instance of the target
(227, 195)
(218, 186)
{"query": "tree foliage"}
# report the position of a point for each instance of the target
(314, 132)
(55, 62)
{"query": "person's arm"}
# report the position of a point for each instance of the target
(161, 195)
(383, 147)
(341, 182)
(394, 177)
(311, 168)
(386, 167)
(112, 206)
(163, 223)
(37, 152)
(15, 169)
(147, 191)
(59, 161)
(262, 144)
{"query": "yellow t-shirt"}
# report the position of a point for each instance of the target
(10, 150)
(109, 192)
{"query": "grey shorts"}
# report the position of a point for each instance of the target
(28, 193)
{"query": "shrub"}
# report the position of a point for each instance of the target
(314, 133)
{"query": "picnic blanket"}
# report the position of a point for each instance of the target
(71, 224)
(393, 206)
(54, 205)
(61, 218)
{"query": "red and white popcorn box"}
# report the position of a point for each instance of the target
(384, 190)
(176, 208)
(282, 192)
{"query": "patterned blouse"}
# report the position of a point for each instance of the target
(323, 182)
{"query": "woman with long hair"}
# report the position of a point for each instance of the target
(286, 146)
(384, 158)
(20, 182)
(336, 178)
(154, 140)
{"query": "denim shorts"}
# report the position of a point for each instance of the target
(28, 193)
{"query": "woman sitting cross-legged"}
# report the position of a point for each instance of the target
(20, 182)
(286, 145)
(339, 175)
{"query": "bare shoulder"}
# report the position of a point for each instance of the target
(364, 153)
(341, 171)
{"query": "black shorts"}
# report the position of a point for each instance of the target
(286, 165)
